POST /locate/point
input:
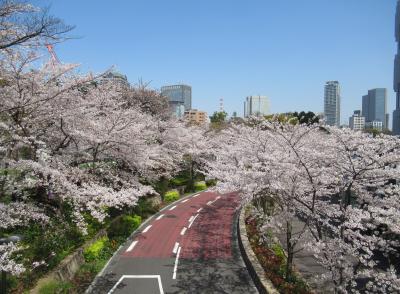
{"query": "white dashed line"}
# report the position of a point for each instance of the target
(131, 246)
(195, 195)
(200, 209)
(217, 197)
(176, 263)
(146, 229)
(175, 247)
(191, 223)
(183, 231)
(159, 217)
(173, 207)
(185, 200)
(191, 218)
(209, 202)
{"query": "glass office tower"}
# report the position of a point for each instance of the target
(178, 96)
(374, 106)
(256, 105)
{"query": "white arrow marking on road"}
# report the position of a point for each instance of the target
(200, 209)
(185, 200)
(176, 263)
(173, 207)
(131, 246)
(139, 277)
(175, 247)
(183, 231)
(159, 217)
(146, 229)
(191, 223)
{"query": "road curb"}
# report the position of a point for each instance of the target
(254, 267)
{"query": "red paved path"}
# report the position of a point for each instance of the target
(209, 236)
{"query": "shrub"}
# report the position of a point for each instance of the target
(171, 196)
(144, 208)
(199, 186)
(178, 181)
(55, 287)
(123, 226)
(211, 182)
(93, 251)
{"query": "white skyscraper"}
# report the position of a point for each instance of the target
(332, 103)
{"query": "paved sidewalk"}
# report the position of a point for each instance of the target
(306, 263)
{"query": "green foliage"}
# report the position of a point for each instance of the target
(179, 181)
(307, 118)
(211, 182)
(123, 226)
(55, 287)
(171, 196)
(199, 186)
(144, 208)
(218, 117)
(218, 120)
(94, 251)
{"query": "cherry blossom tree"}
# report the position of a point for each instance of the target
(339, 184)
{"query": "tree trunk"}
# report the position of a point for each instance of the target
(290, 249)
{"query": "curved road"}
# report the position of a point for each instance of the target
(188, 247)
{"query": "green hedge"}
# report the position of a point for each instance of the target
(199, 186)
(171, 196)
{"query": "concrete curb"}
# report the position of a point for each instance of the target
(134, 234)
(254, 267)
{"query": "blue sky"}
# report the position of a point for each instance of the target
(285, 49)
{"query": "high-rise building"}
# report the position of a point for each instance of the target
(396, 77)
(256, 105)
(178, 95)
(332, 103)
(374, 106)
(357, 121)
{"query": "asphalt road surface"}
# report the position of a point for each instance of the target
(189, 247)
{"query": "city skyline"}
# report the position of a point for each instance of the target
(241, 49)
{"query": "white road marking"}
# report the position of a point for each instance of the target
(139, 277)
(191, 223)
(183, 231)
(217, 197)
(210, 202)
(131, 246)
(173, 207)
(159, 217)
(185, 200)
(175, 247)
(200, 209)
(191, 218)
(146, 229)
(176, 263)
(195, 195)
